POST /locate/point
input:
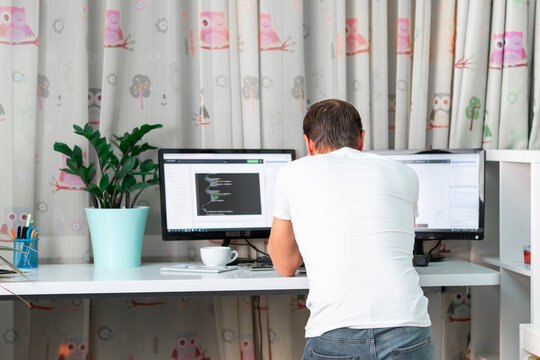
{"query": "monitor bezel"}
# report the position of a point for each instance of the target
(255, 233)
(450, 235)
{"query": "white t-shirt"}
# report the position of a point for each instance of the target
(353, 218)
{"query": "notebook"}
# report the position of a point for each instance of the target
(197, 268)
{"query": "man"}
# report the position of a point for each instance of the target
(349, 217)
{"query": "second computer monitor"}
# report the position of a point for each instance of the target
(451, 191)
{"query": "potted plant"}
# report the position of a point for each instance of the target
(114, 181)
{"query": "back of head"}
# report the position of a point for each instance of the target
(332, 124)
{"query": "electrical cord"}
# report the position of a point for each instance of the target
(254, 247)
(433, 248)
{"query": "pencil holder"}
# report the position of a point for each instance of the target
(26, 257)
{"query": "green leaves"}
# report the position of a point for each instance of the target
(77, 156)
(148, 165)
(104, 182)
(128, 166)
(119, 174)
(62, 148)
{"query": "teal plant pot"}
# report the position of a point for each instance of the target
(117, 236)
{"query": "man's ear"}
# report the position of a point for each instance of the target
(361, 140)
(309, 145)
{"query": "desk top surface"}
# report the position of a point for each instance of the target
(85, 280)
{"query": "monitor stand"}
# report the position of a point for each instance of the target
(226, 242)
(239, 260)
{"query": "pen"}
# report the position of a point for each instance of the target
(18, 232)
(13, 233)
(28, 233)
(28, 220)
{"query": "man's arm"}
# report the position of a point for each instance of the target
(283, 248)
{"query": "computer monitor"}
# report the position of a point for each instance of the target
(451, 192)
(218, 194)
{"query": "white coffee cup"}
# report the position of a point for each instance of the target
(218, 255)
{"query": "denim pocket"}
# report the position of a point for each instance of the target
(316, 356)
(420, 351)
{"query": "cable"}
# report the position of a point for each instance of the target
(433, 248)
(255, 248)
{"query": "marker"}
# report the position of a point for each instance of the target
(28, 220)
(13, 233)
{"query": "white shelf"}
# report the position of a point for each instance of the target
(514, 266)
(488, 356)
(493, 261)
(519, 156)
(530, 338)
(517, 267)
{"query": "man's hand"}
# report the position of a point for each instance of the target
(283, 249)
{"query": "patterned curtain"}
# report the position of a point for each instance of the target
(231, 74)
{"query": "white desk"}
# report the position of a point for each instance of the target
(82, 280)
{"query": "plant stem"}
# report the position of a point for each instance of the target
(136, 197)
(119, 201)
(127, 200)
(94, 200)
(114, 179)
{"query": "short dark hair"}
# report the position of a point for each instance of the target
(333, 124)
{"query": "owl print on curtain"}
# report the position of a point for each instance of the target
(403, 37)
(114, 37)
(68, 181)
(186, 348)
(94, 106)
(269, 40)
(13, 218)
(74, 348)
(355, 42)
(514, 53)
(439, 117)
(496, 57)
(460, 308)
(14, 29)
(247, 348)
(214, 34)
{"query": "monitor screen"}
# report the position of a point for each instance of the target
(451, 192)
(218, 194)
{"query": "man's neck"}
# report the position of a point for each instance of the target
(326, 151)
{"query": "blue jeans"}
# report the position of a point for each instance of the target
(403, 343)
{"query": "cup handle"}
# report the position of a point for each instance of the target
(235, 255)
